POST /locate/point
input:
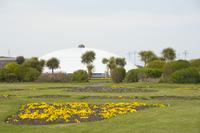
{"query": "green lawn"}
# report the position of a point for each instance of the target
(181, 116)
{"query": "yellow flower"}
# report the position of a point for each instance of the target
(75, 112)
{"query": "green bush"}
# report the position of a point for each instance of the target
(142, 73)
(149, 72)
(14, 72)
(11, 67)
(80, 76)
(21, 72)
(8, 73)
(195, 63)
(156, 64)
(10, 77)
(55, 77)
(35, 63)
(118, 74)
(131, 76)
(31, 75)
(187, 75)
(3, 73)
(173, 66)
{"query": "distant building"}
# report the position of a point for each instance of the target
(70, 60)
(6, 60)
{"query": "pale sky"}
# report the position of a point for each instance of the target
(37, 27)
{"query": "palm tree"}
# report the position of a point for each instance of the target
(147, 56)
(52, 64)
(112, 63)
(120, 62)
(105, 61)
(87, 58)
(169, 54)
(90, 68)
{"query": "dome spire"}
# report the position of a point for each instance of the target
(81, 46)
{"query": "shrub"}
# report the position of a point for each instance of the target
(56, 77)
(80, 76)
(118, 74)
(142, 74)
(34, 62)
(149, 72)
(27, 74)
(156, 64)
(31, 75)
(11, 67)
(21, 72)
(13, 72)
(187, 75)
(195, 63)
(3, 73)
(10, 77)
(131, 76)
(173, 66)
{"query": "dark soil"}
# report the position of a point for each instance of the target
(49, 88)
(50, 96)
(110, 97)
(110, 90)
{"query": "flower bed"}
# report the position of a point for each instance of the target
(44, 113)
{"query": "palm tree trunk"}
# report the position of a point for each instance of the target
(52, 71)
(107, 73)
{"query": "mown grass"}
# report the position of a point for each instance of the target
(181, 116)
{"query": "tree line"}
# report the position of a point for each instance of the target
(168, 54)
(155, 66)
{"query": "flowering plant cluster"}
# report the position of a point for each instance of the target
(118, 86)
(44, 113)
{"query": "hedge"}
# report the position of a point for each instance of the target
(135, 75)
(156, 64)
(173, 66)
(187, 75)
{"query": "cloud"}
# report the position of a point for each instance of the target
(59, 22)
(98, 24)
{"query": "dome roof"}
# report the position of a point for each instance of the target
(70, 60)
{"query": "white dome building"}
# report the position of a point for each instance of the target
(70, 60)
